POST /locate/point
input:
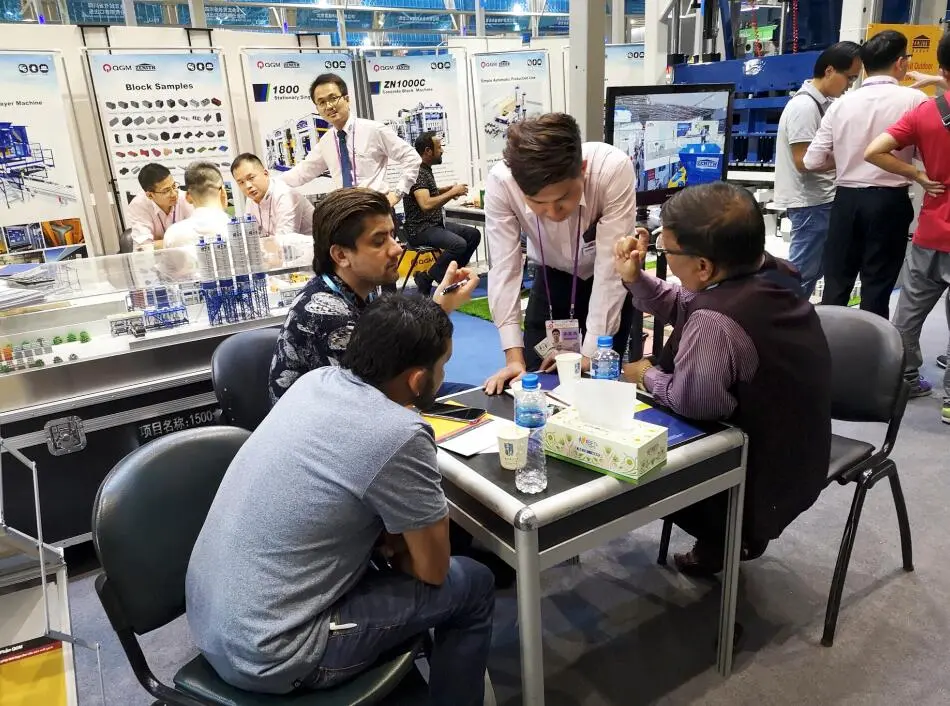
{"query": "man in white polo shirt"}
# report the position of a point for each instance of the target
(357, 152)
(270, 201)
(872, 211)
(807, 196)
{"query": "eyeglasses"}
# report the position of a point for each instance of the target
(328, 102)
(661, 250)
(167, 191)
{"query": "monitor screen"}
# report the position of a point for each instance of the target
(675, 136)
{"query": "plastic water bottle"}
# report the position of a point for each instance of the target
(605, 363)
(531, 412)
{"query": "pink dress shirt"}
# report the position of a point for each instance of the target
(149, 223)
(853, 121)
(282, 211)
(608, 200)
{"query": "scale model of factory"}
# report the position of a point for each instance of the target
(288, 145)
(424, 117)
(232, 283)
(24, 169)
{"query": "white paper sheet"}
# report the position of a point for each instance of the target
(483, 438)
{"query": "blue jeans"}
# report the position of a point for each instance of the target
(388, 608)
(809, 230)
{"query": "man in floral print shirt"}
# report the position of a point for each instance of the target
(354, 252)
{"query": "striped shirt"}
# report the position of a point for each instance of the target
(714, 354)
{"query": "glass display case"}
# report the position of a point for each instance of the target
(100, 355)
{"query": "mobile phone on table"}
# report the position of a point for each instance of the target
(454, 413)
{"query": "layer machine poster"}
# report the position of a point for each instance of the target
(172, 109)
(40, 205)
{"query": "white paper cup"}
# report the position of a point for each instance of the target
(513, 447)
(568, 368)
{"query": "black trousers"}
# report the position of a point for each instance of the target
(537, 312)
(457, 242)
(867, 235)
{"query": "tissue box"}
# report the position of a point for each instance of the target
(627, 454)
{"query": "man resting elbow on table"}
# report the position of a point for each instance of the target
(746, 348)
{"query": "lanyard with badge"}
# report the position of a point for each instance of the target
(562, 335)
(339, 153)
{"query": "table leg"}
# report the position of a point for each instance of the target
(529, 617)
(730, 579)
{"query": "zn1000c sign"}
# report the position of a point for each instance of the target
(405, 83)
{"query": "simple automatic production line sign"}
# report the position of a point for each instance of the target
(286, 123)
(167, 108)
(40, 210)
(509, 87)
(417, 94)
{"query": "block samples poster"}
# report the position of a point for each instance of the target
(417, 94)
(509, 87)
(286, 123)
(40, 205)
(167, 108)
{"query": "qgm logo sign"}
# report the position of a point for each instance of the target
(116, 67)
(33, 68)
(635, 54)
(338, 64)
(200, 66)
(440, 65)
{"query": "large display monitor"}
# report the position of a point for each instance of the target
(675, 136)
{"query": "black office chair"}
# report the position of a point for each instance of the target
(146, 519)
(240, 369)
(867, 385)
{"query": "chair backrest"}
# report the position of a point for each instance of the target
(147, 516)
(240, 367)
(867, 364)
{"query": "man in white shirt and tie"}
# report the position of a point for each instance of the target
(160, 205)
(357, 152)
(277, 208)
(872, 211)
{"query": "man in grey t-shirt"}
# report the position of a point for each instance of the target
(807, 196)
(280, 596)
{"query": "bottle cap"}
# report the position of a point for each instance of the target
(605, 341)
(530, 382)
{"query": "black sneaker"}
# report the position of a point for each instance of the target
(942, 361)
(423, 283)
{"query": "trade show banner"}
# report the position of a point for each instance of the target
(508, 87)
(167, 108)
(417, 94)
(623, 66)
(922, 41)
(40, 208)
(285, 119)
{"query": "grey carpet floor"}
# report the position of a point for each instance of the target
(620, 630)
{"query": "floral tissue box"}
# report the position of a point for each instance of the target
(627, 454)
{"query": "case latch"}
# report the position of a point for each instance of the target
(65, 436)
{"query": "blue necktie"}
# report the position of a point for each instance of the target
(345, 167)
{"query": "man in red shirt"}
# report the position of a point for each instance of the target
(926, 273)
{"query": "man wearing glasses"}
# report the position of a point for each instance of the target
(159, 206)
(357, 152)
(807, 196)
(271, 202)
(872, 210)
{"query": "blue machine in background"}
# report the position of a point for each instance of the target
(763, 87)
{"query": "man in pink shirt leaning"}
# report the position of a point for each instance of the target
(275, 206)
(872, 212)
(926, 274)
(574, 201)
(160, 205)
